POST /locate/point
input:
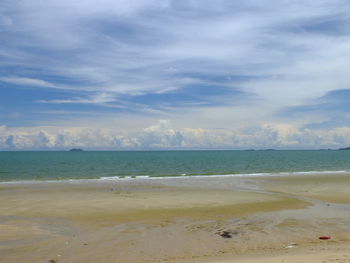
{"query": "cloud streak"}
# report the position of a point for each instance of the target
(27, 82)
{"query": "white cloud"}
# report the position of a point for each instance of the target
(163, 136)
(259, 38)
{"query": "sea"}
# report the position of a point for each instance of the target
(132, 165)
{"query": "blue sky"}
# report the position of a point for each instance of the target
(174, 74)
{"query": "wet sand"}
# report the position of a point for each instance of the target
(269, 219)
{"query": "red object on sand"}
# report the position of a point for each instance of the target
(324, 237)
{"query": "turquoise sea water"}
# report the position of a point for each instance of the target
(20, 166)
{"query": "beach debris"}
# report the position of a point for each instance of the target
(324, 237)
(52, 261)
(227, 234)
(291, 245)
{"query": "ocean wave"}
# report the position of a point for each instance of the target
(182, 176)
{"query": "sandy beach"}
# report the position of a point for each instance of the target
(174, 131)
(266, 219)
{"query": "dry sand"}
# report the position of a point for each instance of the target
(315, 253)
(271, 219)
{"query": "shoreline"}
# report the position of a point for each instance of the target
(174, 220)
(181, 176)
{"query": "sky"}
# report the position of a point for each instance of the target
(174, 74)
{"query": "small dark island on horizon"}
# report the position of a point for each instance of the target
(76, 150)
(347, 148)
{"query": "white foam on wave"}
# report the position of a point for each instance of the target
(225, 175)
(124, 177)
